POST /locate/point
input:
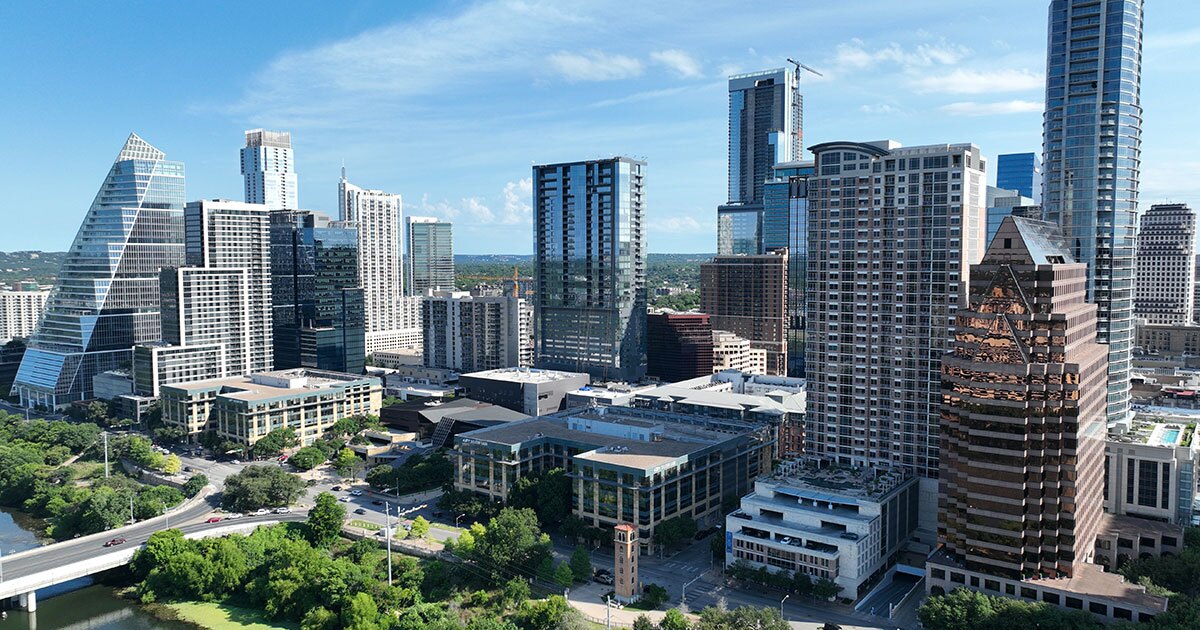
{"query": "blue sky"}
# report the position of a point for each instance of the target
(450, 103)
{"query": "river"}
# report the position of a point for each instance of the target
(87, 606)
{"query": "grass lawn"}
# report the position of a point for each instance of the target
(222, 617)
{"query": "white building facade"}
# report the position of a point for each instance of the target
(268, 168)
(19, 312)
(1166, 273)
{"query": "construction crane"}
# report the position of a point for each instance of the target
(800, 66)
(516, 277)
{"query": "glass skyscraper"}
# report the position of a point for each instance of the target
(1021, 172)
(785, 224)
(590, 305)
(1092, 158)
(318, 303)
(106, 299)
(429, 255)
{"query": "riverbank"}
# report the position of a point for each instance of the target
(215, 616)
(20, 531)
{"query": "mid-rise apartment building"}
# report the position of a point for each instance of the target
(20, 311)
(731, 352)
(472, 334)
(1166, 272)
(429, 255)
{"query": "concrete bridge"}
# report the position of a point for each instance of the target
(42, 567)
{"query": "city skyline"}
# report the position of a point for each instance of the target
(665, 99)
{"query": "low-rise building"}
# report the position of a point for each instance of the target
(626, 465)
(400, 357)
(1150, 470)
(843, 524)
(531, 391)
(439, 422)
(605, 395)
(731, 352)
(245, 408)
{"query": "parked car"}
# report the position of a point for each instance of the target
(114, 542)
(283, 510)
(357, 493)
(310, 483)
(377, 502)
(360, 511)
(337, 488)
(262, 512)
(344, 499)
(234, 516)
(604, 579)
(215, 519)
(187, 469)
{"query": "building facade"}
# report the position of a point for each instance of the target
(590, 304)
(626, 465)
(106, 298)
(679, 346)
(1021, 172)
(842, 525)
(892, 234)
(1002, 203)
(1166, 272)
(731, 352)
(389, 321)
(243, 409)
(20, 312)
(1026, 377)
(531, 391)
(472, 334)
(1091, 153)
(1150, 471)
(785, 224)
(269, 169)
(429, 255)
(318, 312)
(748, 296)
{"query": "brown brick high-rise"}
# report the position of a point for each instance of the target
(1023, 415)
(679, 346)
(747, 296)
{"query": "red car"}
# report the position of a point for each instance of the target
(215, 519)
(114, 542)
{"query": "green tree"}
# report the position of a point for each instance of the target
(274, 442)
(488, 622)
(96, 413)
(673, 531)
(319, 618)
(161, 546)
(325, 520)
(514, 592)
(512, 538)
(825, 588)
(643, 623)
(654, 595)
(171, 464)
(741, 617)
(307, 458)
(360, 613)
(420, 528)
(674, 620)
(346, 462)
(563, 575)
(261, 486)
(581, 564)
(552, 613)
(194, 484)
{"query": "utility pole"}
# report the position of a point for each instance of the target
(105, 434)
(608, 613)
(131, 519)
(387, 510)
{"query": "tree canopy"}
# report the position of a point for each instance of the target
(261, 486)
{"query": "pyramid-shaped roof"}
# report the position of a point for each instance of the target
(137, 149)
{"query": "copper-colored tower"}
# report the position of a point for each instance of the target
(1023, 415)
(625, 562)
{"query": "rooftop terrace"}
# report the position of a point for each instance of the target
(871, 483)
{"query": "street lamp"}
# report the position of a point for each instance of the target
(785, 597)
(456, 519)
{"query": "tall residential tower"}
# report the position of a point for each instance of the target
(1166, 270)
(590, 305)
(269, 169)
(429, 255)
(1091, 153)
(106, 298)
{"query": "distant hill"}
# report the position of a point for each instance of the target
(41, 267)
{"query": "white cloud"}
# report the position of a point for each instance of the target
(971, 108)
(679, 61)
(516, 201)
(594, 65)
(879, 108)
(677, 224)
(978, 82)
(472, 211)
(1178, 39)
(638, 97)
(855, 54)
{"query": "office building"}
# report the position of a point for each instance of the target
(245, 408)
(530, 391)
(679, 346)
(1166, 272)
(843, 525)
(1150, 470)
(590, 301)
(747, 295)
(892, 233)
(1091, 160)
(775, 401)
(269, 169)
(441, 423)
(785, 224)
(1027, 378)
(20, 311)
(1002, 203)
(765, 129)
(429, 255)
(1021, 172)
(472, 334)
(318, 301)
(390, 321)
(731, 352)
(106, 298)
(626, 465)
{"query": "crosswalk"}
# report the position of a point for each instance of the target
(682, 567)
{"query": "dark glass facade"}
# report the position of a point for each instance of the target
(1021, 172)
(785, 224)
(318, 301)
(679, 346)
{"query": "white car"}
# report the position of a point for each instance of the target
(357, 493)
(283, 510)
(344, 499)
(233, 516)
(262, 512)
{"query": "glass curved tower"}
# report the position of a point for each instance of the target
(1091, 147)
(106, 298)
